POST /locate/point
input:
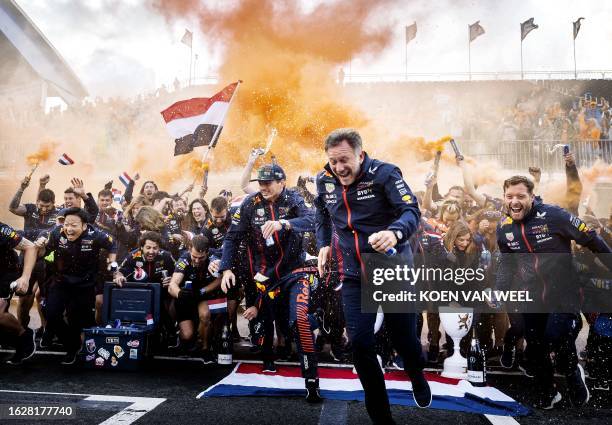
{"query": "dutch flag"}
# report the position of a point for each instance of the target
(65, 160)
(125, 179)
(218, 305)
(194, 122)
(117, 196)
(343, 384)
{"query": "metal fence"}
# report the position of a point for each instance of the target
(546, 154)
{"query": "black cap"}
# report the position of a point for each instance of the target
(270, 172)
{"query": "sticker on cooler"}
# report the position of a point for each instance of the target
(118, 351)
(133, 354)
(102, 352)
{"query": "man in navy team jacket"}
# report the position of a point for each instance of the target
(372, 210)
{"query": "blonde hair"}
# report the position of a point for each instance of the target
(450, 207)
(136, 202)
(150, 219)
(458, 229)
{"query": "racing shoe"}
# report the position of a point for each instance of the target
(548, 400)
(70, 358)
(312, 391)
(46, 340)
(507, 357)
(26, 347)
(420, 388)
(208, 357)
(269, 366)
(579, 392)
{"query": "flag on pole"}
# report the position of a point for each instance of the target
(577, 27)
(193, 122)
(65, 160)
(476, 30)
(125, 179)
(527, 27)
(187, 38)
(411, 32)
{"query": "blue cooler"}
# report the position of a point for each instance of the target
(133, 314)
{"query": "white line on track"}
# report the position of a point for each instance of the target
(501, 420)
(139, 406)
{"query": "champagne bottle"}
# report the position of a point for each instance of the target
(477, 373)
(224, 357)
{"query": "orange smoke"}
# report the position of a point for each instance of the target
(43, 154)
(288, 61)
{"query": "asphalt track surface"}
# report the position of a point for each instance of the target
(165, 392)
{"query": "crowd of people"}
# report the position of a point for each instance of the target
(289, 260)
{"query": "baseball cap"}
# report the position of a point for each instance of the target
(270, 172)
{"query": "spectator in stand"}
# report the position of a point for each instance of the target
(147, 190)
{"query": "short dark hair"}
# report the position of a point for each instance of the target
(79, 212)
(514, 180)
(200, 243)
(159, 195)
(105, 192)
(46, 195)
(219, 203)
(149, 236)
(339, 135)
(70, 190)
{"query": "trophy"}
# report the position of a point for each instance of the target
(456, 322)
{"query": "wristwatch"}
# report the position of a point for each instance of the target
(398, 234)
(285, 223)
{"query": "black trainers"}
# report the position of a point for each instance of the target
(507, 357)
(46, 340)
(208, 357)
(579, 392)
(312, 391)
(173, 341)
(269, 366)
(420, 388)
(548, 401)
(26, 347)
(526, 366)
(70, 358)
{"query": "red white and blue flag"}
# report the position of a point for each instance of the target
(343, 384)
(117, 196)
(125, 179)
(218, 305)
(194, 122)
(65, 160)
